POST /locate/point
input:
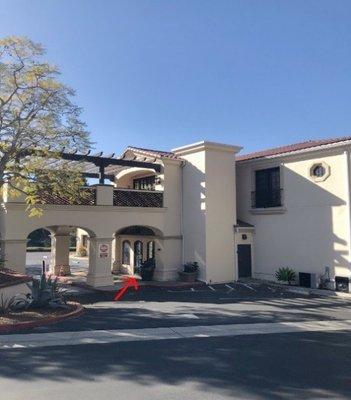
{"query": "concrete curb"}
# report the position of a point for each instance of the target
(44, 321)
(318, 292)
(160, 285)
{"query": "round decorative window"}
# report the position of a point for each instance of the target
(319, 171)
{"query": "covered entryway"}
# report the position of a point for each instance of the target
(133, 246)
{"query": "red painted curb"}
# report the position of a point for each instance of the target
(44, 321)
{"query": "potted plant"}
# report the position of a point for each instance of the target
(189, 273)
(147, 269)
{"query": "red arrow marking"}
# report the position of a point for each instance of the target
(128, 282)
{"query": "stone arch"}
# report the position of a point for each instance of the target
(153, 231)
(58, 260)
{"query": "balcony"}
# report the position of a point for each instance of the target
(137, 198)
(267, 199)
(87, 197)
(108, 196)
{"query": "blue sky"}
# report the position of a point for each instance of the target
(161, 74)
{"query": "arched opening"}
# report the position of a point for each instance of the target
(38, 251)
(60, 248)
(134, 245)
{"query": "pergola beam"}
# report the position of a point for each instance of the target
(97, 159)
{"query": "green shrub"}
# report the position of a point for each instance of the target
(285, 274)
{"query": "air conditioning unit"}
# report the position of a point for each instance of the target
(342, 284)
(308, 280)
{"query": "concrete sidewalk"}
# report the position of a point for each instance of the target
(177, 332)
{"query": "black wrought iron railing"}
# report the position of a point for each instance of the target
(267, 198)
(137, 198)
(86, 197)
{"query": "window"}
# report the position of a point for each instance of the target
(146, 183)
(150, 250)
(320, 171)
(126, 253)
(138, 254)
(267, 188)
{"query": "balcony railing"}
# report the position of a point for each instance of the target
(87, 197)
(137, 198)
(267, 199)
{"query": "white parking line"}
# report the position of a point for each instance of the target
(248, 286)
(229, 287)
(212, 288)
(35, 340)
(192, 289)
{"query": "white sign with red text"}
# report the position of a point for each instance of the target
(104, 250)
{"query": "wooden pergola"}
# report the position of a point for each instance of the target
(93, 165)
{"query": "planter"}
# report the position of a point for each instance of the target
(187, 276)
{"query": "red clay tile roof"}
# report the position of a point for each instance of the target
(153, 153)
(290, 148)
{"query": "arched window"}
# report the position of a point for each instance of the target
(126, 253)
(150, 249)
(138, 254)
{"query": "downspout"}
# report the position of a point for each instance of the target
(348, 201)
(181, 209)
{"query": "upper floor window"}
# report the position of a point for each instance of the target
(267, 188)
(320, 171)
(146, 183)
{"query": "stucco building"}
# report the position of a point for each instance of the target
(236, 215)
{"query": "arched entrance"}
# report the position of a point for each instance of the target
(56, 246)
(133, 246)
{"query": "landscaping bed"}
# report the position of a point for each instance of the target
(25, 319)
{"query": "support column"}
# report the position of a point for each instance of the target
(116, 255)
(100, 262)
(60, 244)
(13, 254)
(60, 254)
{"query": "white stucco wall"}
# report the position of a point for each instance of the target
(209, 209)
(313, 230)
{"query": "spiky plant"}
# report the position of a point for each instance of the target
(285, 274)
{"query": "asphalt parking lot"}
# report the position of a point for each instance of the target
(233, 303)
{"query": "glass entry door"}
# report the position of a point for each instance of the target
(138, 255)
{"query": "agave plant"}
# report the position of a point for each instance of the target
(285, 274)
(45, 293)
(14, 303)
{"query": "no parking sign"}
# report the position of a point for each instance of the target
(104, 250)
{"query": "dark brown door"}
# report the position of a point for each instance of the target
(244, 260)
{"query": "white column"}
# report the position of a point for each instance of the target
(100, 262)
(116, 255)
(60, 244)
(168, 258)
(104, 195)
(13, 254)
